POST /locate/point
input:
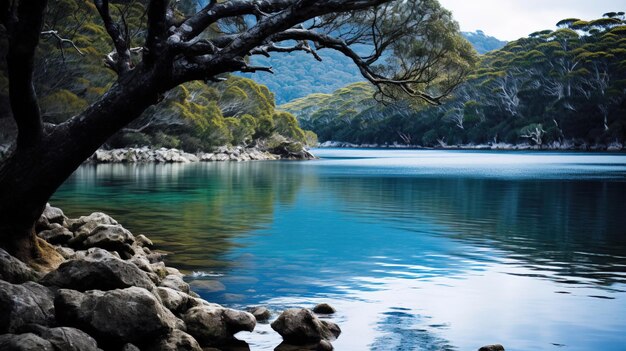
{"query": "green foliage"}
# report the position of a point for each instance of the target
(568, 84)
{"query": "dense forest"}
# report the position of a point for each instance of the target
(195, 116)
(565, 88)
(297, 74)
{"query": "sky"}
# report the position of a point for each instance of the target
(513, 19)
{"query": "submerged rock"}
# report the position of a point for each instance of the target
(116, 317)
(216, 325)
(324, 308)
(261, 314)
(301, 327)
(28, 303)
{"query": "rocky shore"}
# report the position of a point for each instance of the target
(555, 146)
(114, 292)
(221, 154)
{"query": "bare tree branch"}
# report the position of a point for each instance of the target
(62, 41)
(121, 62)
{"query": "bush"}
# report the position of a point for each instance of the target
(161, 139)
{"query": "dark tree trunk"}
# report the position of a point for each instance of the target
(32, 173)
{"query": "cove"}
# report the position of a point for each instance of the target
(417, 250)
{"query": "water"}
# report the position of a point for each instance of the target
(417, 250)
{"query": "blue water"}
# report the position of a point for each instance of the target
(417, 250)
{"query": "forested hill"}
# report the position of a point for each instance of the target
(297, 74)
(565, 87)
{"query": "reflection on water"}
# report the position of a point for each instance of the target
(417, 250)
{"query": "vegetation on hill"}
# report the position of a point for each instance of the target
(298, 75)
(194, 116)
(566, 86)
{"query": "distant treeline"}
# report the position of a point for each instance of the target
(566, 86)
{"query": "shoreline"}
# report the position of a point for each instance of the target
(222, 154)
(113, 291)
(613, 147)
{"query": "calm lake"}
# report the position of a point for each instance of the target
(417, 250)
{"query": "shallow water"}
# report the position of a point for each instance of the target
(417, 250)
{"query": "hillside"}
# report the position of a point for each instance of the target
(565, 88)
(298, 74)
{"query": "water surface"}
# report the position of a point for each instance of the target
(417, 250)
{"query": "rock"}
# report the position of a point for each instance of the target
(217, 325)
(15, 271)
(85, 224)
(495, 347)
(207, 285)
(53, 214)
(98, 272)
(112, 237)
(65, 338)
(24, 342)
(173, 300)
(57, 235)
(175, 282)
(116, 317)
(261, 314)
(324, 308)
(173, 271)
(143, 241)
(66, 252)
(301, 327)
(323, 345)
(175, 341)
(24, 304)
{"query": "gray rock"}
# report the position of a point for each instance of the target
(173, 300)
(175, 282)
(496, 347)
(115, 317)
(216, 325)
(85, 224)
(53, 214)
(261, 314)
(301, 327)
(24, 342)
(175, 341)
(66, 252)
(143, 241)
(24, 304)
(130, 347)
(56, 235)
(110, 237)
(15, 271)
(99, 272)
(65, 338)
(324, 308)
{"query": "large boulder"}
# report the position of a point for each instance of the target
(175, 282)
(212, 325)
(116, 317)
(85, 224)
(25, 304)
(57, 234)
(15, 271)
(112, 237)
(177, 340)
(65, 338)
(24, 342)
(301, 327)
(100, 271)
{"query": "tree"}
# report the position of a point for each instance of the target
(418, 38)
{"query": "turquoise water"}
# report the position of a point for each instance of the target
(417, 250)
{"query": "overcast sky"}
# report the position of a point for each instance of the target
(513, 19)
